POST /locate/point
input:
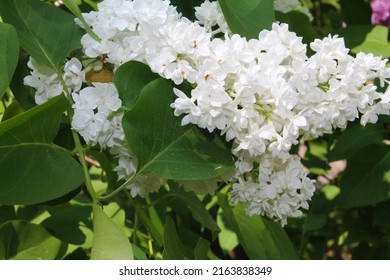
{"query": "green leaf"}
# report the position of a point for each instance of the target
(308, 222)
(173, 247)
(248, 17)
(25, 241)
(74, 8)
(356, 11)
(165, 147)
(117, 214)
(315, 158)
(7, 213)
(109, 241)
(34, 173)
(38, 125)
(366, 179)
(71, 224)
(381, 214)
(366, 38)
(47, 33)
(12, 110)
(9, 55)
(353, 139)
(227, 238)
(197, 208)
(129, 80)
(261, 239)
(107, 164)
(138, 253)
(201, 249)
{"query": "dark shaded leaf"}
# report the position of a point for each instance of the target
(129, 80)
(37, 125)
(9, 54)
(356, 11)
(353, 139)
(366, 179)
(173, 247)
(47, 33)
(34, 173)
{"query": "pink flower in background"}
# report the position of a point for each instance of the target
(380, 12)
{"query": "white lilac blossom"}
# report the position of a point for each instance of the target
(210, 15)
(95, 114)
(263, 94)
(44, 79)
(47, 83)
(279, 189)
(74, 75)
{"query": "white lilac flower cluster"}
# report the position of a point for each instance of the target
(47, 82)
(262, 94)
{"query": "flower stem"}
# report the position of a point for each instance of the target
(142, 214)
(83, 162)
(123, 186)
(79, 149)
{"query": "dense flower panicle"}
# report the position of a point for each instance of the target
(380, 12)
(280, 189)
(262, 94)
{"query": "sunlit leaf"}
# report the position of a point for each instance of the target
(22, 240)
(248, 17)
(261, 239)
(227, 238)
(109, 241)
(366, 38)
